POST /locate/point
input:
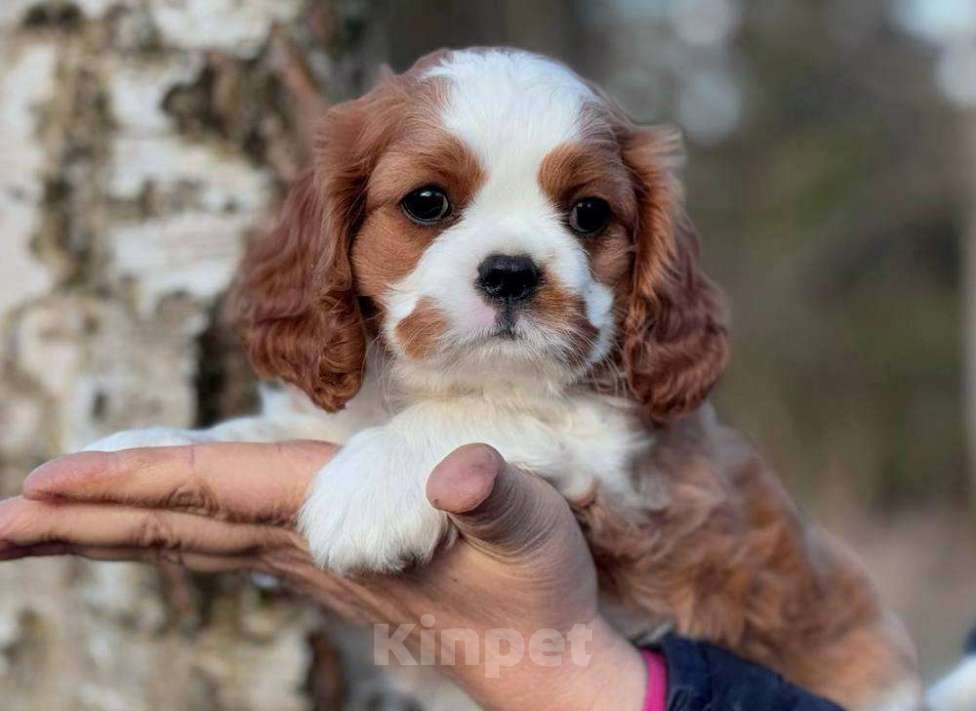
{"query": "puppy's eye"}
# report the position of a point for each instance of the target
(426, 205)
(589, 216)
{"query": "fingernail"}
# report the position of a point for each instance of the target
(38, 478)
(67, 473)
(464, 479)
(50, 476)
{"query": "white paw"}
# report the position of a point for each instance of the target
(368, 510)
(149, 437)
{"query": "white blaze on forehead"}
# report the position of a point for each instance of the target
(511, 104)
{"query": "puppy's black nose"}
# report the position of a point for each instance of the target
(508, 278)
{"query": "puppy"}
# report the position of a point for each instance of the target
(486, 249)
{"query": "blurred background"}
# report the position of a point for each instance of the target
(831, 171)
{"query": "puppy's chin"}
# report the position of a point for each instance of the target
(518, 354)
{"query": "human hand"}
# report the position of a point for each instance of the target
(519, 583)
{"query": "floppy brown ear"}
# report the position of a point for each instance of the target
(295, 296)
(675, 342)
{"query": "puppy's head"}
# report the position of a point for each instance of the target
(486, 217)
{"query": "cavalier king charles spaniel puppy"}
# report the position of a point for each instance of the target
(487, 249)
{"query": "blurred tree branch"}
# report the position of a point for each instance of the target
(969, 297)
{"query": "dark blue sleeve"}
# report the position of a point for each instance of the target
(702, 677)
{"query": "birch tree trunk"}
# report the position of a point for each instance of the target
(141, 142)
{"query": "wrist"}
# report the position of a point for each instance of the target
(591, 667)
(615, 678)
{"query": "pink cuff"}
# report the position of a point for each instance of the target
(655, 697)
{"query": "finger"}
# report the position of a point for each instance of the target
(197, 562)
(496, 505)
(237, 481)
(26, 523)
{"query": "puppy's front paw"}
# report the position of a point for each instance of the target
(149, 437)
(368, 510)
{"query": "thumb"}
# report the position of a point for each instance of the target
(495, 506)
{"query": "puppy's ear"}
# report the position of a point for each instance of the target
(295, 296)
(674, 342)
